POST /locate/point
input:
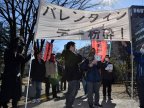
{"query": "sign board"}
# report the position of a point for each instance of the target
(55, 22)
(137, 24)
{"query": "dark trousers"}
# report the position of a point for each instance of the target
(73, 87)
(37, 86)
(58, 87)
(4, 104)
(84, 83)
(47, 88)
(54, 91)
(107, 88)
(93, 88)
(140, 85)
(14, 103)
(63, 84)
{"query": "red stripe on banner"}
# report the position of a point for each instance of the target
(101, 48)
(48, 51)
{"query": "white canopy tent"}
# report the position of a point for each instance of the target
(55, 22)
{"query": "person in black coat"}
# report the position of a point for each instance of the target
(107, 77)
(37, 75)
(61, 73)
(11, 87)
(72, 72)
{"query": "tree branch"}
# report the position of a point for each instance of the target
(64, 3)
(3, 14)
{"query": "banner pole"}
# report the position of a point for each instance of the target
(132, 70)
(110, 49)
(132, 65)
(26, 101)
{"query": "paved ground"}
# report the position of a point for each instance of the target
(120, 100)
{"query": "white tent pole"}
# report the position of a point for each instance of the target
(26, 101)
(132, 77)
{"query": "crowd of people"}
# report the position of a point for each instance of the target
(92, 74)
(74, 68)
(48, 72)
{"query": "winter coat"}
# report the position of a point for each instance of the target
(52, 72)
(93, 74)
(11, 87)
(106, 75)
(72, 60)
(139, 59)
(38, 70)
(51, 68)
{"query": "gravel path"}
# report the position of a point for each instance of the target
(120, 100)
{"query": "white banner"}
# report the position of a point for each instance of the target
(55, 22)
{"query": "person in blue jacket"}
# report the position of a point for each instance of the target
(139, 59)
(93, 78)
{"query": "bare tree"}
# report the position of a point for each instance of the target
(21, 15)
(77, 4)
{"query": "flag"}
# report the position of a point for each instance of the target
(101, 48)
(48, 51)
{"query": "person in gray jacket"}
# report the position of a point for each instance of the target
(51, 72)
